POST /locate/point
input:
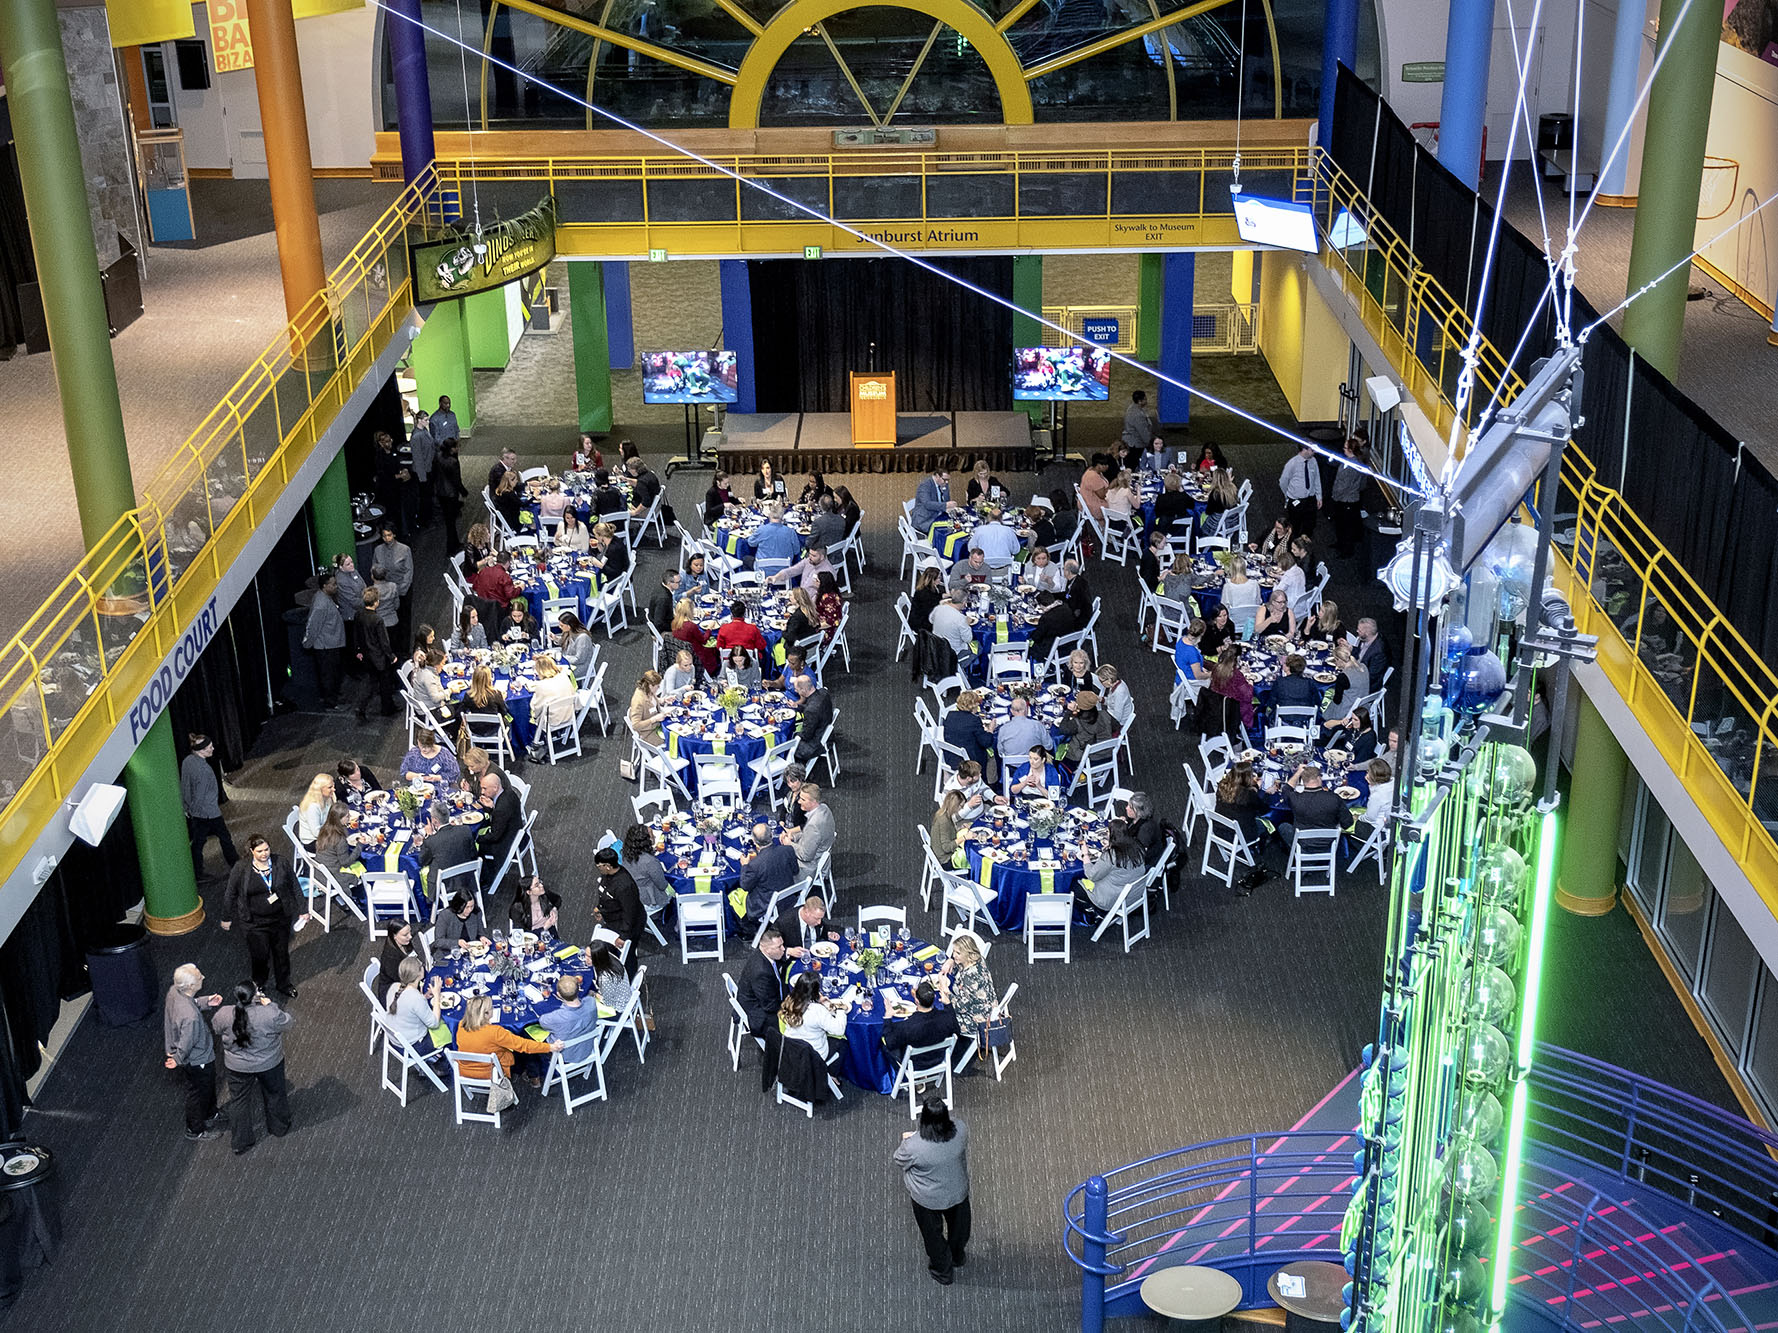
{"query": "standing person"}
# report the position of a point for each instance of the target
(1348, 491)
(934, 1162)
(325, 638)
(620, 907)
(1139, 428)
(394, 563)
(1301, 483)
(192, 1051)
(376, 655)
(263, 896)
(447, 485)
(201, 794)
(252, 1034)
(424, 449)
(444, 421)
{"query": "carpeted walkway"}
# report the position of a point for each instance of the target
(689, 1201)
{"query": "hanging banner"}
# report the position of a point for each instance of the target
(145, 22)
(231, 44)
(467, 264)
(314, 9)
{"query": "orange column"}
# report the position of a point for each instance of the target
(278, 75)
(135, 83)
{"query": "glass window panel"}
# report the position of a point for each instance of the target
(1762, 1050)
(1729, 978)
(1685, 908)
(1628, 841)
(1651, 852)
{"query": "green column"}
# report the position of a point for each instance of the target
(1672, 175)
(441, 363)
(1586, 881)
(1027, 294)
(592, 350)
(42, 111)
(169, 888)
(330, 511)
(1148, 316)
(490, 348)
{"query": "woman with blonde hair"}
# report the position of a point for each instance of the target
(943, 833)
(552, 702)
(554, 502)
(1080, 672)
(479, 1034)
(478, 547)
(1177, 585)
(804, 621)
(413, 1013)
(1275, 616)
(506, 500)
(646, 713)
(966, 986)
(313, 809)
(1324, 626)
(1242, 596)
(1223, 494)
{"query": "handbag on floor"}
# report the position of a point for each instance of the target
(997, 1033)
(501, 1094)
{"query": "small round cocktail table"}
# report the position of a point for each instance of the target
(1198, 1297)
(1323, 1297)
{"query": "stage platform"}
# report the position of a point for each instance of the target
(822, 441)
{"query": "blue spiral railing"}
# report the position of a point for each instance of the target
(1642, 1208)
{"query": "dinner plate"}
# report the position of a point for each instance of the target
(527, 938)
(1325, 677)
(449, 999)
(1346, 793)
(22, 1164)
(824, 949)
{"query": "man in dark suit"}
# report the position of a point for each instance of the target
(1293, 689)
(926, 1026)
(761, 987)
(815, 705)
(1373, 652)
(620, 907)
(805, 926)
(772, 870)
(660, 606)
(1078, 593)
(446, 844)
(1056, 619)
(500, 825)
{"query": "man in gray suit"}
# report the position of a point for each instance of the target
(815, 837)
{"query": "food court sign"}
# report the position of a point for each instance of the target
(153, 701)
(503, 253)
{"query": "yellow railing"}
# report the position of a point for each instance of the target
(75, 670)
(923, 215)
(1705, 697)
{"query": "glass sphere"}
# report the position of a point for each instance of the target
(1492, 995)
(1500, 877)
(1455, 1319)
(1479, 679)
(1470, 1230)
(1479, 1115)
(1511, 558)
(1497, 936)
(1472, 1173)
(1515, 773)
(1486, 1056)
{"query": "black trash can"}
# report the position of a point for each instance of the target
(1555, 130)
(122, 975)
(30, 1228)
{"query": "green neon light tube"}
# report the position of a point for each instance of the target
(1541, 895)
(1509, 1195)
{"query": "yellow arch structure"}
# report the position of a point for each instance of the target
(798, 16)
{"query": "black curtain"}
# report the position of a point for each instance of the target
(17, 265)
(383, 413)
(813, 324)
(1714, 506)
(43, 960)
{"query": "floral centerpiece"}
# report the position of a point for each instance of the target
(731, 699)
(1000, 596)
(507, 966)
(506, 657)
(1044, 823)
(870, 960)
(407, 802)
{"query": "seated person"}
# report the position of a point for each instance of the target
(572, 1018)
(1044, 573)
(926, 1026)
(479, 1034)
(970, 572)
(997, 542)
(429, 759)
(1037, 774)
(977, 797)
(805, 1016)
(1188, 659)
(738, 631)
(682, 675)
(769, 869)
(535, 909)
(1293, 689)
(1312, 805)
(459, 922)
(1021, 732)
(964, 729)
(738, 669)
(1104, 881)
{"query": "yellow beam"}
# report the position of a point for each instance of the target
(908, 82)
(846, 70)
(1114, 40)
(666, 55)
(740, 16)
(800, 16)
(1014, 14)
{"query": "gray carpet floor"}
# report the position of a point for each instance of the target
(689, 1201)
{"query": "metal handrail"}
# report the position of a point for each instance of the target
(68, 677)
(1630, 1130)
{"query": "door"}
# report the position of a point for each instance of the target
(1503, 89)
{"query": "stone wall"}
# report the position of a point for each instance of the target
(106, 154)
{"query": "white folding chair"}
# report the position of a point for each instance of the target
(782, 900)
(367, 984)
(629, 1019)
(583, 1055)
(940, 688)
(719, 779)
(607, 607)
(822, 881)
(870, 916)
(324, 889)
(463, 1085)
(969, 900)
(930, 735)
(1170, 620)
(1217, 753)
(665, 769)
(701, 918)
(650, 804)
(517, 854)
(1096, 769)
(829, 754)
(388, 896)
(1183, 702)
(998, 1059)
(1313, 856)
(1132, 900)
(595, 697)
(1303, 717)
(740, 1027)
(1376, 845)
(488, 731)
(808, 1108)
(916, 1073)
(1223, 835)
(1287, 735)
(1051, 917)
(406, 1058)
(768, 769)
(933, 872)
(906, 638)
(465, 876)
(1009, 661)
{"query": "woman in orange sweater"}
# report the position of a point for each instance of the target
(479, 1034)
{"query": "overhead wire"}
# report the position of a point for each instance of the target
(1300, 441)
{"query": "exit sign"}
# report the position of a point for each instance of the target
(657, 255)
(811, 252)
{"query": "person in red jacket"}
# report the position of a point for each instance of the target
(738, 631)
(492, 583)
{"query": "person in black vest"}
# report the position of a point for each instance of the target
(262, 895)
(620, 907)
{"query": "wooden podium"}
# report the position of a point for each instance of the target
(873, 411)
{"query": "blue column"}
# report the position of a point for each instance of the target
(1177, 274)
(1469, 38)
(1339, 46)
(413, 89)
(1620, 94)
(620, 330)
(737, 328)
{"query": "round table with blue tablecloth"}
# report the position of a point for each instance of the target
(733, 532)
(1001, 614)
(1030, 847)
(385, 835)
(520, 1002)
(579, 487)
(906, 961)
(950, 535)
(769, 610)
(696, 723)
(515, 676)
(703, 850)
(558, 574)
(1210, 570)
(1149, 486)
(1049, 705)
(1276, 764)
(1262, 662)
